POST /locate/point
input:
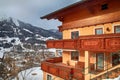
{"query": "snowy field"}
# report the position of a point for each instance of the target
(118, 78)
(31, 74)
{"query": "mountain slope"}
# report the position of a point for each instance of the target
(14, 30)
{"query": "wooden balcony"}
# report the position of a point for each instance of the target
(105, 42)
(55, 67)
(62, 44)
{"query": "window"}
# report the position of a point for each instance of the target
(99, 31)
(117, 29)
(74, 34)
(100, 61)
(49, 77)
(104, 6)
(75, 55)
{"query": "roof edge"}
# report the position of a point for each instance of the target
(62, 9)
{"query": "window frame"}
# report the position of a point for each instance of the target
(49, 77)
(98, 55)
(104, 6)
(74, 33)
(115, 28)
(98, 29)
(75, 55)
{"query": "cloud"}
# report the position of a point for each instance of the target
(30, 10)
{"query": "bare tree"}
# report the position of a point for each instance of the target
(8, 68)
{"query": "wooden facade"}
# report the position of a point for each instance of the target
(95, 50)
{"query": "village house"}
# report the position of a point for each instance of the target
(90, 42)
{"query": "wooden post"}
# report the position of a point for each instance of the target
(87, 60)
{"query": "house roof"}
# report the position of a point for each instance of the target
(60, 13)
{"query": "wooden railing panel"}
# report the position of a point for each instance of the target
(53, 70)
(104, 42)
(65, 73)
(44, 66)
(50, 44)
(113, 43)
(62, 71)
(69, 44)
(58, 44)
(90, 44)
(77, 74)
(54, 60)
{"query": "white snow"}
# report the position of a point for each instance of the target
(118, 78)
(37, 35)
(52, 50)
(17, 41)
(46, 38)
(28, 30)
(27, 38)
(1, 52)
(15, 21)
(31, 74)
(19, 32)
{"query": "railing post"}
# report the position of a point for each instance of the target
(71, 74)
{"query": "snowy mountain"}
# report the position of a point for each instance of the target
(56, 32)
(15, 32)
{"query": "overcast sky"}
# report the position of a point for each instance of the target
(30, 11)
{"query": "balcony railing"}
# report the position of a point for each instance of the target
(105, 42)
(63, 44)
(55, 67)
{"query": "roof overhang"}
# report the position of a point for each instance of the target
(60, 13)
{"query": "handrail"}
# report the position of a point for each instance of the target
(103, 72)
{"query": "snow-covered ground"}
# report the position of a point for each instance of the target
(8, 40)
(31, 74)
(118, 78)
(28, 30)
(37, 74)
(1, 52)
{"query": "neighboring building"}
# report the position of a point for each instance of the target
(91, 41)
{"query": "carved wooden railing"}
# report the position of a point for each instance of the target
(104, 42)
(63, 44)
(61, 70)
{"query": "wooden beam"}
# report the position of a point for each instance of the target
(101, 19)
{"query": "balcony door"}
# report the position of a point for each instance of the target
(100, 61)
(115, 59)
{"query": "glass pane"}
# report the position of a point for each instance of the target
(74, 35)
(74, 55)
(49, 77)
(117, 29)
(100, 61)
(98, 31)
(115, 59)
